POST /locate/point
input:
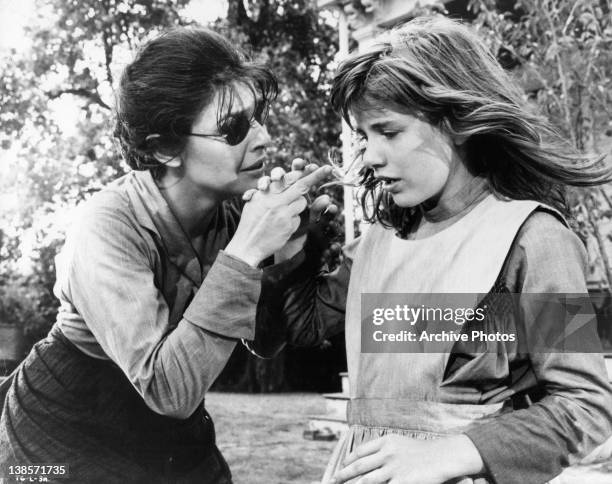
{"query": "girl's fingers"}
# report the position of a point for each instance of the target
(379, 476)
(359, 467)
(365, 449)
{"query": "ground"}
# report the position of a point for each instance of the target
(261, 437)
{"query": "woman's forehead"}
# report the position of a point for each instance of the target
(226, 101)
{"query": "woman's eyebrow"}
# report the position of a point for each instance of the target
(246, 110)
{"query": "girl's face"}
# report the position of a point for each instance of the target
(212, 164)
(414, 160)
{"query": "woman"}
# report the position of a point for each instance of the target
(465, 197)
(159, 278)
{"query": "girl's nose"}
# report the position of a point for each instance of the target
(372, 158)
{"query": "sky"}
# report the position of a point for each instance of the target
(15, 14)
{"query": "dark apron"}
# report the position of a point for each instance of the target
(64, 407)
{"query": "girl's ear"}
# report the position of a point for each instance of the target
(164, 159)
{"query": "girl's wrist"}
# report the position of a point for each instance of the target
(459, 457)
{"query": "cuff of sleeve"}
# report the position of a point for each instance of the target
(226, 302)
(507, 461)
(277, 273)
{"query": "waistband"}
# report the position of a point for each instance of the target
(420, 416)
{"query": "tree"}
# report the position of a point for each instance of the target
(300, 47)
(71, 62)
(561, 51)
(78, 48)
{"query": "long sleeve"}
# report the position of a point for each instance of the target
(108, 276)
(301, 302)
(532, 445)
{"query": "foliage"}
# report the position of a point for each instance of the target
(70, 64)
(561, 51)
(77, 49)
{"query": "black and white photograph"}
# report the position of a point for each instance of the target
(306, 241)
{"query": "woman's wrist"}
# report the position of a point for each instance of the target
(246, 256)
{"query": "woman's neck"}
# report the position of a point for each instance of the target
(192, 208)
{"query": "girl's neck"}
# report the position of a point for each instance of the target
(437, 215)
(457, 204)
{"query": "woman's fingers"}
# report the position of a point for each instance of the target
(277, 181)
(246, 196)
(298, 164)
(263, 183)
(304, 184)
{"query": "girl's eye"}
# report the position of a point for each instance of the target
(361, 141)
(390, 134)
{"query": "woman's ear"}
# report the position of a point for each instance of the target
(172, 161)
(459, 140)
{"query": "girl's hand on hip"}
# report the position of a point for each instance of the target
(397, 459)
(271, 216)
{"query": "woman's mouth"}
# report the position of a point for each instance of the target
(258, 166)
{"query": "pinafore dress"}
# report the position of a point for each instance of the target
(401, 393)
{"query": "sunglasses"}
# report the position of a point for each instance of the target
(235, 127)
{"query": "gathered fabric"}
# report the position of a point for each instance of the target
(65, 407)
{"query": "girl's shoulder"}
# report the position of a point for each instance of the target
(546, 256)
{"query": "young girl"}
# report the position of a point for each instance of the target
(464, 196)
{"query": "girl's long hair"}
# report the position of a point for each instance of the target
(439, 70)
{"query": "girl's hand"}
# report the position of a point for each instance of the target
(396, 459)
(270, 217)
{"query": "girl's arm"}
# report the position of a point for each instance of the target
(575, 415)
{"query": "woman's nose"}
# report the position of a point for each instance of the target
(262, 136)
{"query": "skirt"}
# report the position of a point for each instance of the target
(64, 407)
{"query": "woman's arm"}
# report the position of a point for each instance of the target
(108, 276)
(301, 302)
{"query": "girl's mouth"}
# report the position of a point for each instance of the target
(385, 180)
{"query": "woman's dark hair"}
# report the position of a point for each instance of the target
(171, 80)
(439, 70)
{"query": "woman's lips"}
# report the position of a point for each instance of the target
(254, 167)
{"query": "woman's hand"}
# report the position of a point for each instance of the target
(318, 218)
(271, 216)
(397, 459)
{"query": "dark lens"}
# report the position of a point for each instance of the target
(235, 129)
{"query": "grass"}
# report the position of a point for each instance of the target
(261, 436)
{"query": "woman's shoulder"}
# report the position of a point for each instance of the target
(546, 254)
(111, 202)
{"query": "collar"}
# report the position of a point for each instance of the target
(153, 213)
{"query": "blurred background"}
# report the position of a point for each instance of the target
(61, 59)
